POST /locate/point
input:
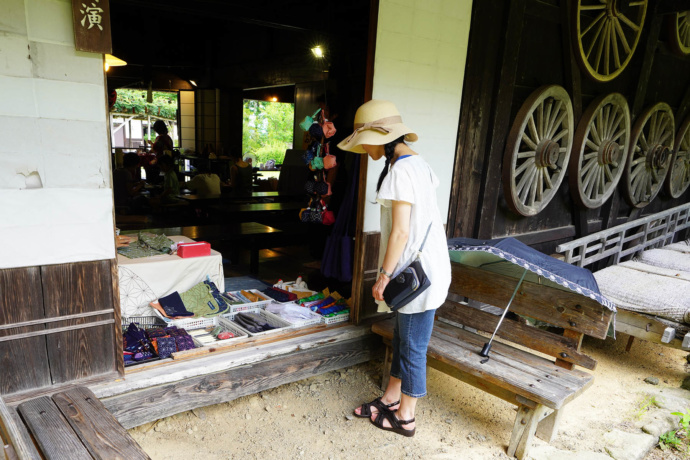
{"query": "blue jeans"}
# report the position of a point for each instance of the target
(411, 337)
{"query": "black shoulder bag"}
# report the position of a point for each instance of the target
(409, 283)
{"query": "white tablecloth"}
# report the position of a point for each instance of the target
(149, 278)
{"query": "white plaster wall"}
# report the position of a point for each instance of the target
(53, 123)
(421, 46)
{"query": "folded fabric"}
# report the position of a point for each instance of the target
(166, 346)
(220, 300)
(157, 306)
(174, 306)
(290, 312)
(200, 301)
(333, 309)
(253, 322)
(279, 294)
(184, 342)
(157, 332)
(317, 296)
(135, 338)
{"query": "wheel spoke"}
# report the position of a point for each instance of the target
(527, 185)
(540, 120)
(602, 181)
(530, 143)
(528, 154)
(554, 115)
(590, 155)
(590, 164)
(652, 124)
(533, 129)
(643, 141)
(554, 127)
(638, 3)
(618, 134)
(614, 45)
(547, 115)
(595, 39)
(540, 185)
(547, 178)
(609, 175)
(600, 49)
(638, 160)
(616, 123)
(595, 133)
(607, 47)
(663, 138)
(592, 7)
(628, 22)
(637, 170)
(533, 188)
(588, 177)
(592, 177)
(523, 166)
(558, 137)
(621, 34)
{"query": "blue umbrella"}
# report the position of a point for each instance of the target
(510, 257)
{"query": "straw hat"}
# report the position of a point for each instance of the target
(377, 122)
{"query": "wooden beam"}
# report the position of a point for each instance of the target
(51, 430)
(643, 327)
(136, 408)
(648, 62)
(500, 122)
(14, 432)
(102, 435)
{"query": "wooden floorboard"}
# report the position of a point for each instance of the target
(13, 431)
(102, 435)
(139, 407)
(54, 435)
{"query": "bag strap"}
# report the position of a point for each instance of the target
(424, 241)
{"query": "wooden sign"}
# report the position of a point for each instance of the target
(91, 20)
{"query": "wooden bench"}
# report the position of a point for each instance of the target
(72, 424)
(623, 242)
(540, 387)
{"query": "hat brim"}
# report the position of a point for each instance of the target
(373, 137)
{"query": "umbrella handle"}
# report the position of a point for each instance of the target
(487, 346)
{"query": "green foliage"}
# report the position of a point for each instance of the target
(164, 103)
(267, 129)
(677, 439)
(645, 405)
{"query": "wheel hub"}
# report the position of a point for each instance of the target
(547, 154)
(612, 8)
(658, 156)
(609, 153)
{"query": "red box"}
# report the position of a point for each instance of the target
(197, 249)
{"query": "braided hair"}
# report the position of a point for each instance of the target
(389, 151)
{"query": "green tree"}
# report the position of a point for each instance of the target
(267, 129)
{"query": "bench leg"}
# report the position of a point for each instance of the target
(385, 376)
(548, 427)
(523, 431)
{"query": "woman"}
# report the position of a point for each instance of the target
(163, 141)
(241, 176)
(406, 190)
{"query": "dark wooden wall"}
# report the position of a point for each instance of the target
(515, 47)
(86, 344)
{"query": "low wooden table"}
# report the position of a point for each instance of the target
(72, 424)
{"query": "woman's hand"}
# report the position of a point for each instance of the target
(380, 286)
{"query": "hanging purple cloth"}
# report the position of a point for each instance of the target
(338, 254)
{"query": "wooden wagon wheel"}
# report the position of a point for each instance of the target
(537, 150)
(606, 33)
(679, 177)
(651, 148)
(600, 149)
(679, 32)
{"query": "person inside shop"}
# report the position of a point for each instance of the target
(126, 185)
(171, 185)
(205, 183)
(163, 142)
(410, 218)
(241, 176)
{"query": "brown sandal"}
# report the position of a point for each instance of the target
(365, 412)
(396, 424)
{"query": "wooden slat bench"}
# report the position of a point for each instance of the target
(621, 243)
(539, 386)
(72, 425)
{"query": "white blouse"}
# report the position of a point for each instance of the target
(412, 180)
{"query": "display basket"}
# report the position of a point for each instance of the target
(336, 319)
(250, 305)
(144, 322)
(270, 318)
(203, 323)
(314, 318)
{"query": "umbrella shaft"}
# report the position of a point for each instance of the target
(508, 306)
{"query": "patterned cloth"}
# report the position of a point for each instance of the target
(147, 245)
(200, 301)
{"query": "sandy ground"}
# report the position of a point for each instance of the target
(311, 419)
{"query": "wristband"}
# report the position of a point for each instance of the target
(384, 272)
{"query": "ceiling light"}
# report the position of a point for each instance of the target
(317, 51)
(274, 99)
(112, 61)
(192, 82)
